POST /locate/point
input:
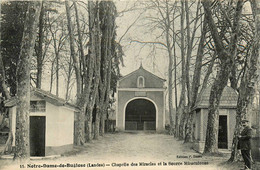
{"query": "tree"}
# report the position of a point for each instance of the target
(23, 80)
(39, 49)
(80, 127)
(211, 145)
(3, 86)
(187, 44)
(57, 38)
(76, 63)
(6, 95)
(249, 77)
(181, 108)
(86, 97)
(95, 51)
(107, 17)
(12, 23)
(167, 24)
(196, 82)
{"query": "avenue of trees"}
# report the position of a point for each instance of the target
(207, 44)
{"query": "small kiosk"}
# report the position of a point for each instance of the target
(51, 123)
(227, 119)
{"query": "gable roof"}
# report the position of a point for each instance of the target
(51, 98)
(139, 69)
(47, 96)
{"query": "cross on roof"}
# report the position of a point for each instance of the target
(141, 61)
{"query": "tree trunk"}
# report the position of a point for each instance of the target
(55, 61)
(170, 58)
(107, 26)
(246, 89)
(40, 50)
(97, 121)
(81, 49)
(3, 85)
(196, 82)
(105, 48)
(22, 151)
(57, 72)
(193, 91)
(189, 50)
(182, 123)
(69, 79)
(5, 91)
(95, 47)
(106, 105)
(52, 74)
(181, 108)
(174, 60)
(206, 78)
(80, 100)
(76, 63)
(102, 120)
(211, 143)
(88, 118)
(176, 90)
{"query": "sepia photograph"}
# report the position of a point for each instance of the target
(128, 84)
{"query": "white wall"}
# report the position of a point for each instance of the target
(59, 125)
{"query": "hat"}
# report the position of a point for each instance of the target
(244, 120)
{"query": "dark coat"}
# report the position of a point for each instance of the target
(244, 140)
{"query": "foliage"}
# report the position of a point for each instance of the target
(12, 23)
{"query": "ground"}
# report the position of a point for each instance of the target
(123, 150)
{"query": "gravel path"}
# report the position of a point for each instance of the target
(123, 150)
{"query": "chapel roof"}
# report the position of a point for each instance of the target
(141, 69)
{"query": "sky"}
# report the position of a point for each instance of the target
(136, 53)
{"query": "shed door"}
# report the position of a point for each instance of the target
(37, 135)
(222, 133)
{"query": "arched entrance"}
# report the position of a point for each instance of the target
(140, 114)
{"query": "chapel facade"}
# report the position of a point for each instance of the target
(140, 102)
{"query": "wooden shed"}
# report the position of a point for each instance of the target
(227, 118)
(51, 123)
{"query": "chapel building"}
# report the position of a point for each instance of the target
(140, 102)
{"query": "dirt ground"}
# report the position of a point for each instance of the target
(129, 151)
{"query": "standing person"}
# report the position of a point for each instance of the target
(245, 145)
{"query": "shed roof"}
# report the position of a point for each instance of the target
(228, 99)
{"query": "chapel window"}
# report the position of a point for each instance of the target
(140, 81)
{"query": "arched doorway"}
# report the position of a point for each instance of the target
(140, 114)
